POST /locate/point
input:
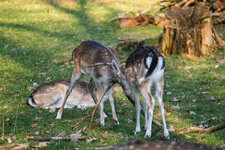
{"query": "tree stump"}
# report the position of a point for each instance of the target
(188, 31)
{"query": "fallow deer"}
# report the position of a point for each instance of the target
(50, 96)
(162, 145)
(144, 68)
(101, 64)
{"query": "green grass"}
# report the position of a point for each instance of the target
(34, 33)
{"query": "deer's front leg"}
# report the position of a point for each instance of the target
(75, 77)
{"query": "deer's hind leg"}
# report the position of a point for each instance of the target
(96, 90)
(159, 94)
(111, 100)
(145, 90)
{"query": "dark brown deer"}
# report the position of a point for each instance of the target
(101, 64)
(162, 145)
(144, 68)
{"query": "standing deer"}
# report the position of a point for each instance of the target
(144, 68)
(101, 64)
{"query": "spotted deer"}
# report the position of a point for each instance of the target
(50, 95)
(162, 145)
(101, 64)
(145, 68)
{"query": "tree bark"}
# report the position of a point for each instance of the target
(188, 31)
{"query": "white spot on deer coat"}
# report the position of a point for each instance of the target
(148, 61)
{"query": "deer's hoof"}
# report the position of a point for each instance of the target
(59, 116)
(166, 134)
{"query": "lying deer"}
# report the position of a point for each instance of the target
(162, 145)
(50, 96)
(101, 64)
(144, 68)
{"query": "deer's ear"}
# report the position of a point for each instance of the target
(115, 67)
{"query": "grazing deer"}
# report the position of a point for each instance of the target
(144, 68)
(101, 64)
(162, 145)
(50, 95)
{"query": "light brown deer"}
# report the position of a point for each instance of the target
(144, 68)
(162, 145)
(51, 95)
(101, 64)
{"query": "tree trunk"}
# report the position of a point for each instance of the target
(188, 31)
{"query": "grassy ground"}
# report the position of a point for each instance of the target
(34, 33)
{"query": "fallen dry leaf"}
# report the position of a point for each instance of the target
(35, 84)
(187, 69)
(221, 61)
(188, 136)
(34, 125)
(192, 113)
(212, 98)
(166, 114)
(216, 66)
(171, 128)
(205, 92)
(214, 118)
(30, 88)
(91, 139)
(9, 140)
(55, 62)
(101, 140)
(36, 133)
(75, 136)
(175, 100)
(38, 118)
(105, 134)
(41, 144)
(129, 121)
(175, 107)
(168, 93)
(201, 140)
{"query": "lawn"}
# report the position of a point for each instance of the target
(37, 36)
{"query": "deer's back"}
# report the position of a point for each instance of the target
(92, 52)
